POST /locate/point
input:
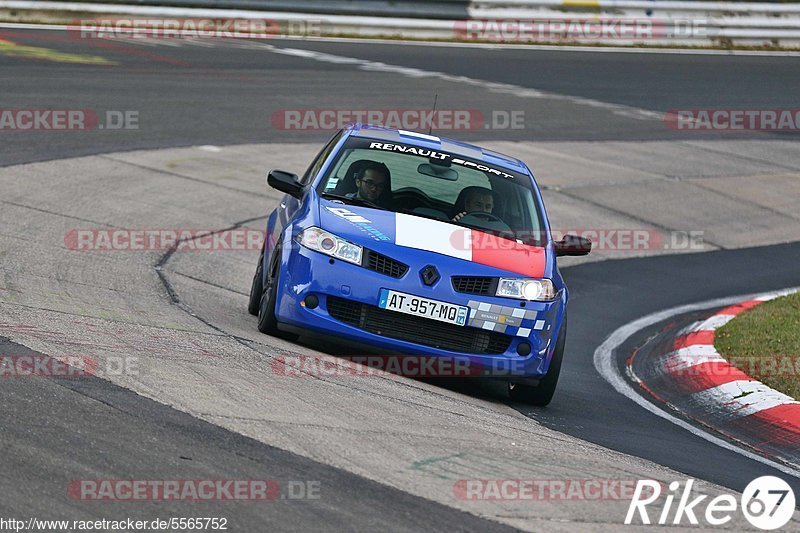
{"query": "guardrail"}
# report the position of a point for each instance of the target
(619, 22)
(645, 5)
(672, 22)
(443, 9)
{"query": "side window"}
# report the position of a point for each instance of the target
(313, 169)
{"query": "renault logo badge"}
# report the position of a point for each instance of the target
(429, 275)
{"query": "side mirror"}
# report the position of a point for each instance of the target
(573, 245)
(285, 182)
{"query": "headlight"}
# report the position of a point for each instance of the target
(329, 244)
(541, 290)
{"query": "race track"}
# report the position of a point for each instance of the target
(206, 402)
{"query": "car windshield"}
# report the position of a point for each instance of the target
(435, 184)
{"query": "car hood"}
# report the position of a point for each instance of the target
(376, 229)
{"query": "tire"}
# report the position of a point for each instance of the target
(257, 287)
(267, 322)
(542, 394)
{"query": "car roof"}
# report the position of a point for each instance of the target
(368, 131)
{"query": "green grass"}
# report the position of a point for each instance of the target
(764, 342)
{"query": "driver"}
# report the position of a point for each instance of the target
(371, 182)
(476, 200)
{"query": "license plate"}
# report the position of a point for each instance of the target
(424, 307)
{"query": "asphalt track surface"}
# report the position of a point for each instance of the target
(191, 95)
(81, 428)
(227, 94)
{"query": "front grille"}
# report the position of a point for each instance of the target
(384, 264)
(417, 329)
(475, 285)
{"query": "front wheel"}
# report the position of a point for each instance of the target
(542, 394)
(257, 287)
(267, 322)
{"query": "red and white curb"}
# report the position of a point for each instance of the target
(716, 401)
(730, 392)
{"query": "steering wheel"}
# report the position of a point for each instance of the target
(484, 215)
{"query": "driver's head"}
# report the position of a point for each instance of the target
(479, 199)
(372, 181)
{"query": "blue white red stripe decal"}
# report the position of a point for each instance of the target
(469, 245)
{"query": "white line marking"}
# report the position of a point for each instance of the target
(768, 297)
(549, 48)
(605, 363)
(491, 86)
(495, 87)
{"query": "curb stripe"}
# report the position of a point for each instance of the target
(739, 308)
(695, 337)
(743, 397)
(741, 436)
(707, 375)
(692, 355)
(787, 416)
(698, 368)
(696, 380)
(713, 322)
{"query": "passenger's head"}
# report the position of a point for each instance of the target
(372, 181)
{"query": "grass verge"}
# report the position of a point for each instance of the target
(764, 342)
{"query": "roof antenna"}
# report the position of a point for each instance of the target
(435, 99)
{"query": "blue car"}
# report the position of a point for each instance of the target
(407, 243)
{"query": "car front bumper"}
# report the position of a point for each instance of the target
(332, 297)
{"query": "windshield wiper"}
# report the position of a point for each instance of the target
(353, 200)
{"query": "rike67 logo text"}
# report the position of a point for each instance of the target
(767, 503)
